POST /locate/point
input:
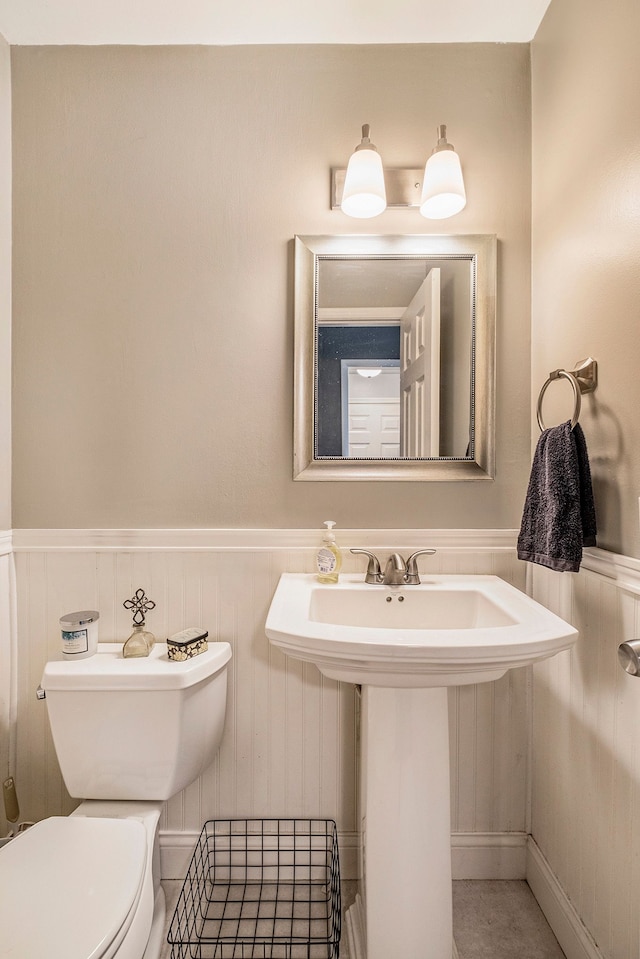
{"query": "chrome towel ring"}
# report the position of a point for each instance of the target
(583, 379)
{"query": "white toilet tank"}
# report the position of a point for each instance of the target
(136, 728)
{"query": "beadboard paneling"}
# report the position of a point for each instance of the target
(586, 760)
(289, 746)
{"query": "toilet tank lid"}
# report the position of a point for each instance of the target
(109, 670)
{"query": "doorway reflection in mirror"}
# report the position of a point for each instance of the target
(422, 329)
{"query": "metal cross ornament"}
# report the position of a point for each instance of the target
(141, 605)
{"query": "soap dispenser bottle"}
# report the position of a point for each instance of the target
(329, 558)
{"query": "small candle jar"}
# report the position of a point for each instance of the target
(80, 633)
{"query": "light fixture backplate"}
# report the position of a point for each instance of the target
(403, 187)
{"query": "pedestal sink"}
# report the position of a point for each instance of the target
(405, 645)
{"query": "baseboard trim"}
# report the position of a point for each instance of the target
(489, 855)
(571, 933)
(473, 855)
(176, 849)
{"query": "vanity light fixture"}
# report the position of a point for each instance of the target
(363, 194)
(365, 189)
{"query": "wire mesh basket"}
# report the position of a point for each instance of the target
(260, 889)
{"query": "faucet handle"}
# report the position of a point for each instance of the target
(374, 573)
(412, 577)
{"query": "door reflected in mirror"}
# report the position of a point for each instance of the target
(369, 407)
(394, 357)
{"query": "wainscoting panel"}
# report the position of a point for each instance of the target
(289, 746)
(586, 756)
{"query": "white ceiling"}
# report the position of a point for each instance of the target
(269, 21)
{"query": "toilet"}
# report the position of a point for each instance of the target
(129, 734)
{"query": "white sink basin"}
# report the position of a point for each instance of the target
(449, 630)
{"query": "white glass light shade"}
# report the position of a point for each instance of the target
(369, 371)
(364, 193)
(443, 192)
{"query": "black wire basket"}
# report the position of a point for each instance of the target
(260, 889)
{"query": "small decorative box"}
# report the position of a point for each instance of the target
(187, 643)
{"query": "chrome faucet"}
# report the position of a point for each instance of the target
(396, 571)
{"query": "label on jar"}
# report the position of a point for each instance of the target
(326, 560)
(75, 641)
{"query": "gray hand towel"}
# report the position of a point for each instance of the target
(559, 514)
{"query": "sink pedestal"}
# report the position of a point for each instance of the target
(406, 908)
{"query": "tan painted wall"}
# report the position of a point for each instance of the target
(586, 236)
(157, 191)
(5, 285)
(6, 561)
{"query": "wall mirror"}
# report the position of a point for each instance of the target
(394, 357)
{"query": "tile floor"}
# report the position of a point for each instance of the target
(500, 920)
(491, 920)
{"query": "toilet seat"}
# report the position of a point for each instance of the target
(69, 887)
